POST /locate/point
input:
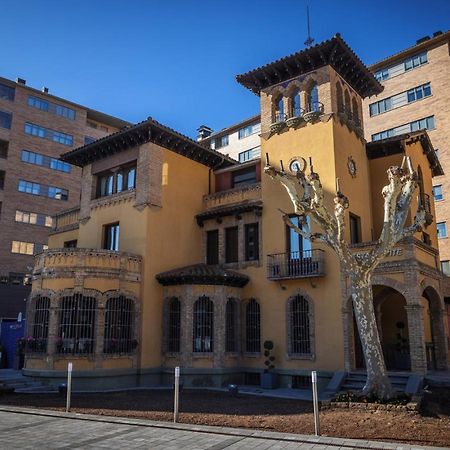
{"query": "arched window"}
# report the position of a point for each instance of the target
(174, 325)
(252, 327)
(347, 107)
(76, 324)
(312, 98)
(119, 325)
(279, 109)
(203, 335)
(39, 327)
(339, 97)
(299, 326)
(295, 104)
(355, 110)
(231, 326)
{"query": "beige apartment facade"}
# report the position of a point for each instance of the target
(416, 95)
(240, 141)
(35, 129)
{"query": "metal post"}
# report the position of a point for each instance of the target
(69, 385)
(177, 394)
(315, 402)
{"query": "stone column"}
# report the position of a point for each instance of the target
(347, 320)
(187, 315)
(99, 333)
(87, 189)
(219, 302)
(149, 176)
(437, 317)
(416, 338)
(53, 321)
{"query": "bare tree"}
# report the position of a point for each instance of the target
(307, 196)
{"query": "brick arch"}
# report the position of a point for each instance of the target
(379, 280)
(311, 323)
(117, 292)
(437, 318)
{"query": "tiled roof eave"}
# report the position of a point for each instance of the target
(147, 131)
(334, 52)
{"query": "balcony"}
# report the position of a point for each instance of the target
(241, 194)
(307, 264)
(66, 220)
(74, 263)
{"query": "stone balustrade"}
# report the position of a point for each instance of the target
(82, 262)
(232, 196)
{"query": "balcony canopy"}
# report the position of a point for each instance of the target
(202, 274)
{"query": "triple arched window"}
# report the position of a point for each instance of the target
(78, 317)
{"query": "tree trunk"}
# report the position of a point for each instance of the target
(377, 380)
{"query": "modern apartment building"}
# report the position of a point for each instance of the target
(183, 259)
(239, 141)
(416, 96)
(35, 129)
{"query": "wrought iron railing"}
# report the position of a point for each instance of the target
(297, 112)
(66, 219)
(280, 117)
(314, 107)
(425, 202)
(309, 263)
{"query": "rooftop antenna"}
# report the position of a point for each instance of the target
(310, 40)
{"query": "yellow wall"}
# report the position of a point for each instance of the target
(173, 240)
(378, 178)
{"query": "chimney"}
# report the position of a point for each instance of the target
(44, 90)
(203, 132)
(21, 81)
(424, 39)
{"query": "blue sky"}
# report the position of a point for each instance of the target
(177, 60)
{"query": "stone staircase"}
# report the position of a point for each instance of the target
(402, 382)
(13, 379)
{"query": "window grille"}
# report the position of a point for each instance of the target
(76, 325)
(301, 382)
(203, 335)
(231, 326)
(300, 327)
(253, 327)
(174, 328)
(119, 326)
(37, 342)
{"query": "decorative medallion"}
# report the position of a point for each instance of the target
(297, 163)
(351, 166)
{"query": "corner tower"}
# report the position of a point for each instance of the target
(311, 111)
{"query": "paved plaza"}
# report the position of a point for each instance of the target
(22, 428)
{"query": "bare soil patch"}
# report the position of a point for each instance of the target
(429, 427)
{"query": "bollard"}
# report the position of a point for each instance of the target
(177, 394)
(69, 385)
(315, 402)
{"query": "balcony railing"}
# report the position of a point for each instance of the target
(66, 220)
(310, 263)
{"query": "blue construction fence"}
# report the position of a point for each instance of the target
(10, 333)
